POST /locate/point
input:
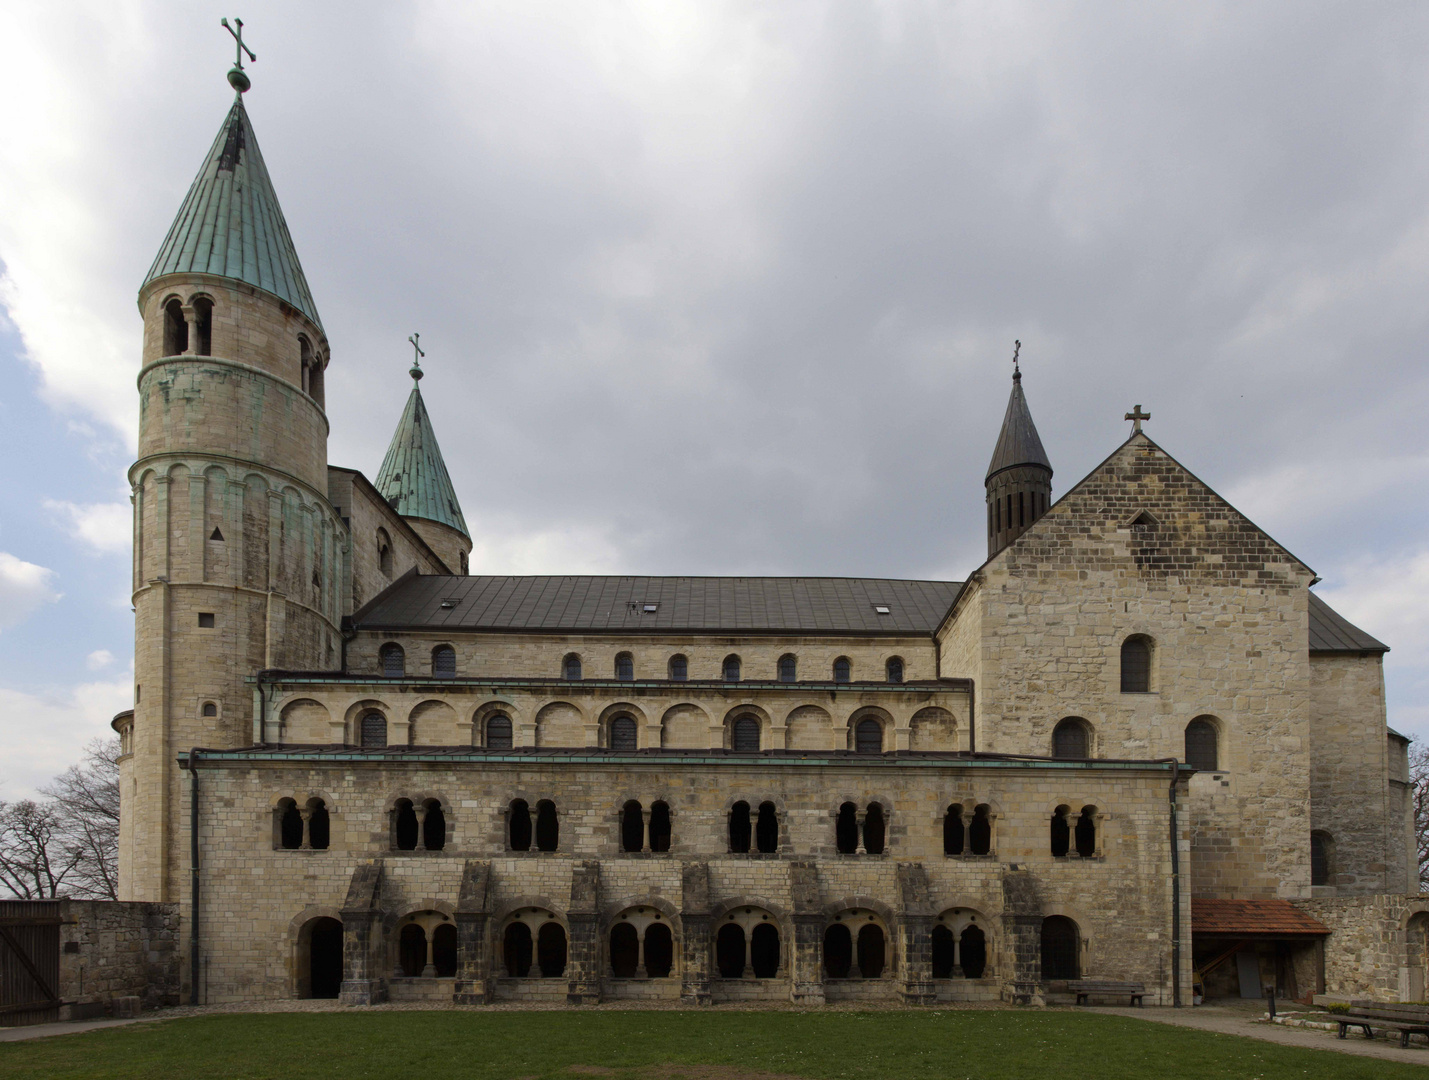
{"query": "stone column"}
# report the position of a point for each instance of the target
(306, 813)
(473, 917)
(644, 846)
(421, 813)
(860, 817)
(695, 933)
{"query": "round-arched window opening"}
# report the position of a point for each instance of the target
(1136, 665)
(894, 668)
(374, 730)
(393, 659)
(745, 737)
(843, 669)
(444, 662)
(1071, 739)
(624, 667)
(498, 732)
(623, 733)
(868, 737)
(731, 668)
(1202, 745)
(210, 708)
(571, 668)
(679, 668)
(788, 668)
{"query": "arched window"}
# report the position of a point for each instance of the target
(393, 660)
(973, 947)
(739, 827)
(729, 951)
(846, 829)
(894, 668)
(1061, 948)
(980, 831)
(374, 729)
(305, 361)
(547, 827)
(624, 950)
(516, 945)
(766, 832)
(176, 329)
(872, 950)
(843, 670)
(444, 952)
(1086, 832)
(210, 708)
(624, 667)
(868, 737)
(660, 826)
(384, 553)
(498, 732)
(953, 830)
(943, 952)
(1061, 832)
(551, 949)
(745, 738)
(434, 826)
(1136, 665)
(679, 668)
(622, 733)
(731, 668)
(1070, 739)
(632, 827)
(203, 325)
(764, 950)
(658, 946)
(571, 668)
(1321, 858)
(404, 826)
(874, 829)
(1202, 751)
(290, 825)
(838, 951)
(788, 668)
(412, 950)
(319, 826)
(518, 826)
(444, 662)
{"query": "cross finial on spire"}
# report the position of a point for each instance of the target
(1016, 371)
(416, 369)
(237, 77)
(1136, 416)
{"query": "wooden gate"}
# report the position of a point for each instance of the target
(29, 961)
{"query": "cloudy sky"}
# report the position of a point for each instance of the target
(732, 288)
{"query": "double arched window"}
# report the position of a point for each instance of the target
(520, 832)
(418, 826)
(1136, 665)
(1082, 831)
(964, 836)
(855, 946)
(745, 827)
(858, 833)
(634, 833)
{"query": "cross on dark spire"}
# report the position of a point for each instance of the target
(416, 369)
(1016, 350)
(237, 77)
(1136, 416)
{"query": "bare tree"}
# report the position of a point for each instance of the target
(86, 799)
(34, 860)
(1419, 785)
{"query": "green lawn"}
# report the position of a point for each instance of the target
(985, 1045)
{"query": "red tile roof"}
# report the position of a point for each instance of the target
(1251, 918)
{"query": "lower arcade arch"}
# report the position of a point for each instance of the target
(748, 944)
(533, 944)
(424, 944)
(641, 944)
(857, 945)
(961, 945)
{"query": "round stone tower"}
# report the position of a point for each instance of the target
(237, 551)
(1019, 478)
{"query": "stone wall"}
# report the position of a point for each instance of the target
(264, 896)
(370, 523)
(113, 950)
(1378, 946)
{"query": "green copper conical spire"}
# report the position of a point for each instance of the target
(230, 224)
(413, 478)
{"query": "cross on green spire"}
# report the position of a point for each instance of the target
(237, 77)
(416, 369)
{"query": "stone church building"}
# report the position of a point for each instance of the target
(1132, 745)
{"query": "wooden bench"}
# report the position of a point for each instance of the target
(1085, 988)
(1406, 1019)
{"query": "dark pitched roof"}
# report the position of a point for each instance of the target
(1018, 443)
(1331, 632)
(413, 478)
(705, 604)
(1250, 918)
(230, 224)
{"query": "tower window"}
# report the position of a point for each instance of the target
(1136, 665)
(1321, 858)
(210, 708)
(203, 325)
(176, 329)
(843, 670)
(205, 620)
(788, 668)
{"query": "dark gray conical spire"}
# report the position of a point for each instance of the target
(1019, 477)
(1019, 443)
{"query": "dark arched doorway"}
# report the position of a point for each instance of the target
(325, 958)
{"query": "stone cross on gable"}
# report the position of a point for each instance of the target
(1136, 416)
